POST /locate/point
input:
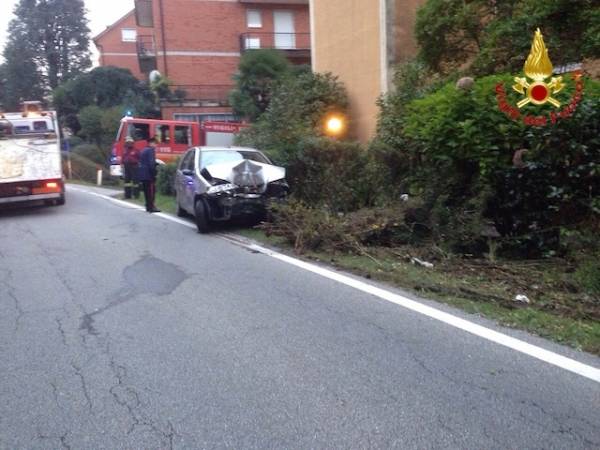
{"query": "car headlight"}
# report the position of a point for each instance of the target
(221, 188)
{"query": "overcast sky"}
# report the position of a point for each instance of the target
(100, 13)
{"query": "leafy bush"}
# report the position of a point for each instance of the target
(165, 179)
(332, 174)
(91, 153)
(478, 169)
(587, 276)
(321, 171)
(104, 87)
(495, 36)
(86, 159)
(299, 104)
(100, 125)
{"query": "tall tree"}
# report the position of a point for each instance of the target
(103, 87)
(257, 73)
(20, 77)
(49, 38)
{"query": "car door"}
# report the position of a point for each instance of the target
(181, 181)
(188, 181)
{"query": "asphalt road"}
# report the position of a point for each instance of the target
(124, 330)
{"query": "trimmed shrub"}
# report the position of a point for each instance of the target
(165, 179)
(332, 174)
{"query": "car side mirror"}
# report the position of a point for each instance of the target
(206, 174)
(188, 172)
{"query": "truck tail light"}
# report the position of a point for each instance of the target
(47, 187)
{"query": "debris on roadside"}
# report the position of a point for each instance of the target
(520, 298)
(421, 262)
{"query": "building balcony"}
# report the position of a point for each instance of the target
(199, 94)
(277, 2)
(294, 45)
(146, 51)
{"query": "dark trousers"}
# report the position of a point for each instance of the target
(131, 183)
(149, 193)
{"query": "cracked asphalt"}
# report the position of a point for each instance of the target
(121, 330)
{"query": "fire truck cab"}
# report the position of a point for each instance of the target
(173, 137)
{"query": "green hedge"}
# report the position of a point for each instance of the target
(165, 179)
(479, 170)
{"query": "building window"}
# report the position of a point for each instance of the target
(128, 35)
(143, 13)
(252, 43)
(191, 117)
(253, 18)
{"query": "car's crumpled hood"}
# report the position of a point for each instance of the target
(246, 172)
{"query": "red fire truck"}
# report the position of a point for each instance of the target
(174, 137)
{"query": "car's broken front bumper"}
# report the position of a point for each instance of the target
(226, 207)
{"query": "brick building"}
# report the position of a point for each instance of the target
(117, 45)
(370, 38)
(197, 44)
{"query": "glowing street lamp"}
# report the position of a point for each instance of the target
(335, 125)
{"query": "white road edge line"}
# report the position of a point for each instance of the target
(534, 351)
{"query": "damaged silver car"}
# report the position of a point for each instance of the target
(221, 183)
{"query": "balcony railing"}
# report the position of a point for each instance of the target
(213, 94)
(146, 46)
(280, 2)
(289, 42)
(146, 51)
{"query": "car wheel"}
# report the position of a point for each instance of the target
(201, 213)
(61, 200)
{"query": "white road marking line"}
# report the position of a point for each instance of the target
(183, 222)
(107, 197)
(534, 351)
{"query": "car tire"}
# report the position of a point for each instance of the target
(201, 215)
(61, 201)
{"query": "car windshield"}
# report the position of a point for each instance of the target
(209, 157)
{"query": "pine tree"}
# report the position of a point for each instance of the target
(48, 45)
(20, 76)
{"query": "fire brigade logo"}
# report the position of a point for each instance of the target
(538, 67)
(535, 90)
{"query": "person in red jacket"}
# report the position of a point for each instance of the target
(131, 159)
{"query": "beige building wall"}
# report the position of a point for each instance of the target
(347, 42)
(360, 41)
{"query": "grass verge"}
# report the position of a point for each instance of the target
(165, 203)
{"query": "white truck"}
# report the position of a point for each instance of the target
(30, 157)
